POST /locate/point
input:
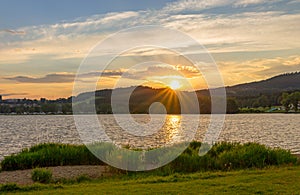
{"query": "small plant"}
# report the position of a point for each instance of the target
(41, 175)
(83, 178)
(11, 187)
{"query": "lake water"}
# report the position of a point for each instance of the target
(274, 130)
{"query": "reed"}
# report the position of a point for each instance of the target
(222, 156)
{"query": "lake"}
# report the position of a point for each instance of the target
(274, 130)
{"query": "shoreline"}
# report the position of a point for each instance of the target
(242, 113)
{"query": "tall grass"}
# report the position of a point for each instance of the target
(50, 154)
(223, 156)
(228, 156)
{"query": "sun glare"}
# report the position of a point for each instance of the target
(174, 85)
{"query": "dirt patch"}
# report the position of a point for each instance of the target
(23, 177)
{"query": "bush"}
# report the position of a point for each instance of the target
(47, 155)
(41, 175)
(12, 187)
(228, 156)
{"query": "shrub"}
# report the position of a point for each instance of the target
(228, 156)
(9, 187)
(41, 175)
(47, 155)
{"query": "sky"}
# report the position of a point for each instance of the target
(43, 43)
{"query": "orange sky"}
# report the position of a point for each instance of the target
(247, 43)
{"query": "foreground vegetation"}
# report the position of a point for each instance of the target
(50, 154)
(222, 156)
(274, 180)
(226, 168)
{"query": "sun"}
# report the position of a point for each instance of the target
(174, 85)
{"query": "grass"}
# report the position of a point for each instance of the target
(50, 154)
(13, 188)
(41, 175)
(228, 168)
(274, 180)
(223, 156)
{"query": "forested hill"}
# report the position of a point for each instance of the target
(262, 93)
(277, 84)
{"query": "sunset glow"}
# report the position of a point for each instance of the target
(174, 85)
(40, 57)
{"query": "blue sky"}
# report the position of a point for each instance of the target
(16, 13)
(42, 43)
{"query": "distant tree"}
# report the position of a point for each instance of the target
(232, 106)
(290, 100)
(286, 101)
(20, 110)
(67, 108)
(255, 104)
(294, 99)
(5, 109)
(49, 108)
(263, 101)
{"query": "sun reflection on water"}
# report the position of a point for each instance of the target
(172, 128)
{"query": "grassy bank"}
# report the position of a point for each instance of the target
(222, 156)
(50, 154)
(230, 168)
(274, 180)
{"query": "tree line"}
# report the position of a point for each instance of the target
(290, 101)
(141, 104)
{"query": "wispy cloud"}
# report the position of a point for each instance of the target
(14, 94)
(162, 70)
(257, 69)
(236, 27)
(190, 5)
(245, 3)
(14, 32)
(105, 73)
(50, 78)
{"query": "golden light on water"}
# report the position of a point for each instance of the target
(175, 118)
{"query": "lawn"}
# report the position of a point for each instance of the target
(275, 180)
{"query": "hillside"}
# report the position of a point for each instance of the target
(261, 93)
(277, 84)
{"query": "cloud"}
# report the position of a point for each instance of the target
(14, 32)
(222, 26)
(257, 69)
(50, 78)
(105, 73)
(13, 94)
(185, 5)
(66, 77)
(163, 70)
(245, 3)
(240, 28)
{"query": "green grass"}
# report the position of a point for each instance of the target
(12, 188)
(41, 175)
(223, 156)
(274, 180)
(228, 168)
(228, 156)
(50, 154)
